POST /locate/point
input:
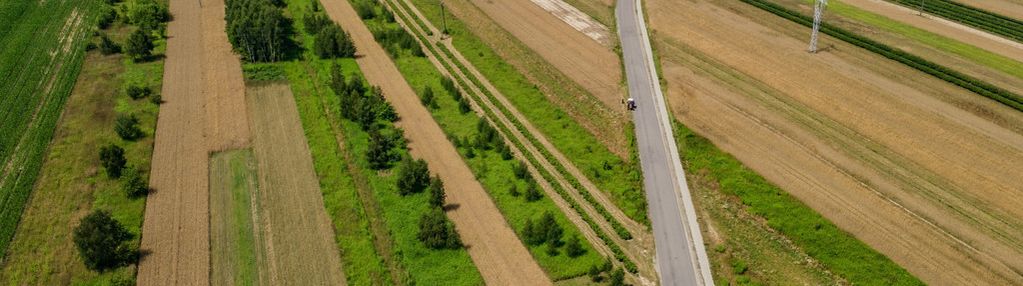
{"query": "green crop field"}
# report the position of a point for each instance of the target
(965, 50)
(971, 16)
(41, 50)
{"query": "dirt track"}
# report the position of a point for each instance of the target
(911, 165)
(498, 254)
(201, 89)
(175, 240)
(593, 66)
(298, 235)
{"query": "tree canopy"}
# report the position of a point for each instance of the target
(258, 30)
(101, 241)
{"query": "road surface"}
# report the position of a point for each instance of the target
(681, 257)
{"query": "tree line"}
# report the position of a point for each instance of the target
(258, 30)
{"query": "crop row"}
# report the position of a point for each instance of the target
(981, 19)
(618, 253)
(34, 95)
(970, 83)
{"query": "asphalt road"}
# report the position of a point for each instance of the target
(681, 255)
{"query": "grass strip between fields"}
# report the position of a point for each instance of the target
(364, 265)
(971, 16)
(838, 250)
(954, 77)
(615, 248)
(965, 50)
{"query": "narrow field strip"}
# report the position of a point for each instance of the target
(984, 20)
(236, 252)
(970, 83)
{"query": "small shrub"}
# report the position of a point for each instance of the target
(127, 127)
(427, 98)
(135, 184)
(107, 46)
(617, 277)
(365, 10)
(437, 195)
(156, 99)
(463, 106)
(573, 248)
(139, 45)
(111, 157)
(106, 18)
(513, 190)
(135, 91)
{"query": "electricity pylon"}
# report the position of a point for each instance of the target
(818, 13)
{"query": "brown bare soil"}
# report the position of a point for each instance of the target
(1008, 8)
(593, 66)
(227, 126)
(175, 233)
(911, 165)
(297, 235)
(498, 254)
(202, 88)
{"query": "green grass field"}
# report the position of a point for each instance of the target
(622, 180)
(72, 182)
(837, 250)
(363, 264)
(233, 246)
(41, 51)
(965, 50)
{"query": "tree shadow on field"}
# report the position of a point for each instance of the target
(450, 207)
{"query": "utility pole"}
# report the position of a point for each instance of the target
(443, 19)
(818, 13)
(921, 11)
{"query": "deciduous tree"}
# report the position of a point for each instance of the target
(101, 241)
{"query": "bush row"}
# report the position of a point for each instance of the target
(615, 249)
(970, 83)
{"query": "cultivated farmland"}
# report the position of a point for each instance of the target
(759, 96)
(41, 50)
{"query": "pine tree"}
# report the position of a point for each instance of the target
(437, 195)
(533, 193)
(413, 177)
(428, 99)
(573, 248)
(437, 232)
(552, 230)
(380, 154)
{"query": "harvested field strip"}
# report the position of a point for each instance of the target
(984, 20)
(365, 248)
(41, 55)
(496, 251)
(618, 178)
(298, 233)
(982, 88)
(494, 172)
(504, 129)
(836, 249)
(72, 182)
(963, 49)
(427, 267)
(236, 251)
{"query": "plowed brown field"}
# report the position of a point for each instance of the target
(175, 241)
(917, 168)
(200, 89)
(297, 236)
(593, 66)
(498, 254)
